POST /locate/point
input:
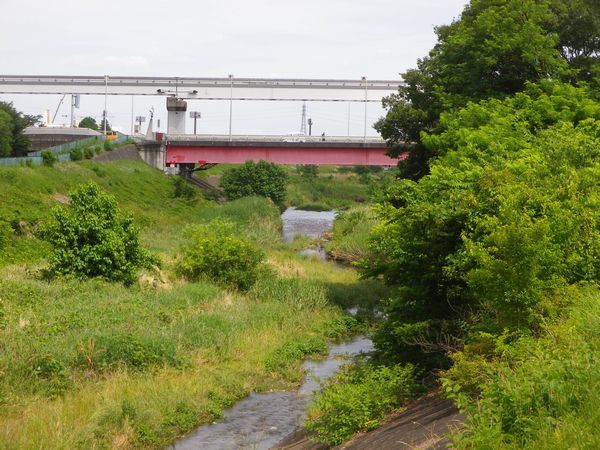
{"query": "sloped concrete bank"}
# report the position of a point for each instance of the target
(425, 424)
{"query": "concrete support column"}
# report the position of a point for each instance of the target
(176, 115)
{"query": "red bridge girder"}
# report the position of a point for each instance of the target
(286, 153)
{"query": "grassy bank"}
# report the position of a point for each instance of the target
(329, 188)
(92, 364)
(534, 392)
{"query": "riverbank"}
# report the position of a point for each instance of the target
(96, 364)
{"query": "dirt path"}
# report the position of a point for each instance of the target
(424, 425)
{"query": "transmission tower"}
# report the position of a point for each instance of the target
(303, 122)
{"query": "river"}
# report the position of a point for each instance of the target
(262, 420)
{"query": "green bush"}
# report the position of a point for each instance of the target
(217, 252)
(92, 238)
(182, 189)
(88, 152)
(49, 158)
(534, 393)
(108, 146)
(358, 399)
(264, 179)
(76, 154)
(128, 350)
(308, 170)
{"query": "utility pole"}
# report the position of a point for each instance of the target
(349, 103)
(303, 121)
(230, 102)
(310, 122)
(105, 100)
(195, 115)
(132, 97)
(364, 79)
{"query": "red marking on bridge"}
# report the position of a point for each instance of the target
(336, 153)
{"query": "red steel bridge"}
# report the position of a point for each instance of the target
(291, 149)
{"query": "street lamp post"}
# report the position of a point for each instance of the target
(195, 115)
(230, 102)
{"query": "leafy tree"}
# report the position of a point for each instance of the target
(508, 212)
(6, 135)
(101, 126)
(19, 121)
(263, 178)
(92, 238)
(492, 51)
(88, 122)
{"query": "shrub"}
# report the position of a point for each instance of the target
(88, 152)
(182, 189)
(534, 393)
(263, 179)
(128, 350)
(358, 399)
(76, 154)
(49, 158)
(308, 170)
(215, 251)
(92, 238)
(108, 146)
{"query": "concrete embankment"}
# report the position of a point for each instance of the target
(425, 424)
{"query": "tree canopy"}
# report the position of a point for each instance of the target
(507, 213)
(263, 179)
(493, 50)
(13, 142)
(88, 122)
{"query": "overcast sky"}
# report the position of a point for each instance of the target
(260, 38)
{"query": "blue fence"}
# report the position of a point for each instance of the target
(61, 151)
(66, 148)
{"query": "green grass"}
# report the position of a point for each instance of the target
(91, 364)
(351, 231)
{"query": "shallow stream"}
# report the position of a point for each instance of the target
(262, 420)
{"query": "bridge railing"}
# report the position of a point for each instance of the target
(272, 138)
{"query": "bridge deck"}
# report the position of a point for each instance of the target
(335, 150)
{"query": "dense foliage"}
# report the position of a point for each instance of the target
(12, 123)
(535, 393)
(509, 212)
(491, 51)
(263, 178)
(88, 122)
(358, 399)
(215, 251)
(92, 238)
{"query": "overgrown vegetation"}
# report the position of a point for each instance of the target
(90, 237)
(528, 392)
(493, 228)
(263, 178)
(350, 237)
(215, 251)
(138, 366)
(357, 399)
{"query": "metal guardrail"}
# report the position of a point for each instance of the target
(272, 138)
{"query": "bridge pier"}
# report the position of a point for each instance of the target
(176, 108)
